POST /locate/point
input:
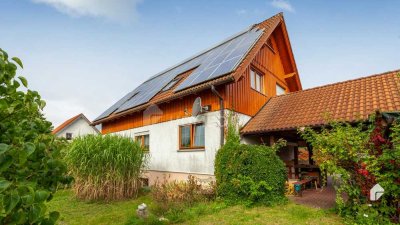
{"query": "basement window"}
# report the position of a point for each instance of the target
(257, 81)
(191, 136)
(68, 136)
(170, 84)
(144, 141)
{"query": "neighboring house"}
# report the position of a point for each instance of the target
(78, 125)
(243, 74)
(245, 70)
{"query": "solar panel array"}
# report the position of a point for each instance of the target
(222, 60)
(210, 64)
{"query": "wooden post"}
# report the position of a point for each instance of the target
(296, 161)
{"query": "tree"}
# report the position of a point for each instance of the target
(30, 168)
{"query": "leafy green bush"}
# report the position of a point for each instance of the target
(253, 174)
(105, 167)
(362, 157)
(30, 169)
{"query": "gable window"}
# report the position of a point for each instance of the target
(68, 136)
(170, 84)
(280, 90)
(144, 141)
(191, 136)
(257, 81)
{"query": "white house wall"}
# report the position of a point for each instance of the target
(79, 127)
(165, 155)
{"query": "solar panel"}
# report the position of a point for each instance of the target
(222, 61)
(210, 64)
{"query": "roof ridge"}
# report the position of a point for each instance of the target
(249, 28)
(340, 82)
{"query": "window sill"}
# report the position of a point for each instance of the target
(191, 150)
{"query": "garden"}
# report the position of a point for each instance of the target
(96, 179)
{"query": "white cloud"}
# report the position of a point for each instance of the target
(282, 4)
(115, 10)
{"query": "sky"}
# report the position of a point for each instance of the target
(84, 55)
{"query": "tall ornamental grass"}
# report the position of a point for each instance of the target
(105, 167)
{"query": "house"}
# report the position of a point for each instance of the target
(351, 101)
(76, 126)
(178, 115)
(239, 74)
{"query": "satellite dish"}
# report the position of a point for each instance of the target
(197, 108)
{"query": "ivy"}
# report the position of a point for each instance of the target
(30, 165)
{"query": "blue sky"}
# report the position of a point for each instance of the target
(83, 55)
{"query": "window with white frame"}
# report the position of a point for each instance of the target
(280, 90)
(257, 81)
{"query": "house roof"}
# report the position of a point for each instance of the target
(147, 93)
(71, 121)
(350, 101)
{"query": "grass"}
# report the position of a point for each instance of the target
(74, 211)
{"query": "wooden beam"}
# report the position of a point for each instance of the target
(289, 75)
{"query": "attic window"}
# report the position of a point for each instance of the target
(170, 84)
(269, 44)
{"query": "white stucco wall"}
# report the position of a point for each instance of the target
(79, 127)
(164, 147)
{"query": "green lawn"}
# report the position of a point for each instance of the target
(74, 211)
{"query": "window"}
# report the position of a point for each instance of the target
(257, 81)
(68, 136)
(170, 85)
(144, 141)
(191, 136)
(280, 90)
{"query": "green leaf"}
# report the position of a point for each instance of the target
(10, 201)
(23, 81)
(5, 162)
(35, 213)
(41, 196)
(18, 61)
(29, 148)
(53, 216)
(3, 148)
(4, 184)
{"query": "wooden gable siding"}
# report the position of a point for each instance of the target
(241, 97)
(176, 109)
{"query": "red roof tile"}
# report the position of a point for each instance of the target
(350, 101)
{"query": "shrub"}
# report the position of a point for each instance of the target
(30, 168)
(362, 156)
(180, 194)
(105, 167)
(253, 174)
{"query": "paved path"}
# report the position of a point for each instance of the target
(321, 198)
